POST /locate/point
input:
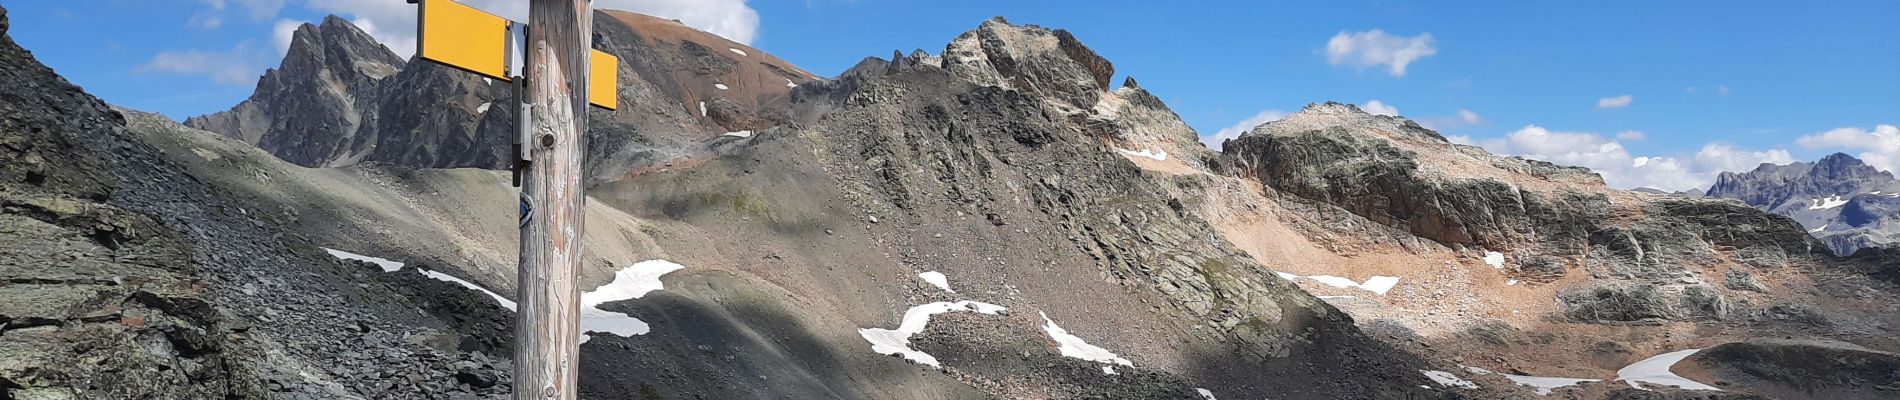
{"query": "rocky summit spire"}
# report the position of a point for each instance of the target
(310, 108)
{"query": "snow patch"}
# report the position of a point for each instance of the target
(739, 134)
(387, 264)
(1826, 203)
(1494, 259)
(702, 109)
(1205, 394)
(1510, 282)
(741, 53)
(505, 302)
(392, 266)
(721, 86)
(1376, 284)
(1543, 384)
(1817, 230)
(631, 282)
(937, 279)
(789, 84)
(1655, 370)
(897, 341)
(1108, 370)
(483, 108)
(1448, 380)
(1075, 347)
(1157, 155)
(1286, 276)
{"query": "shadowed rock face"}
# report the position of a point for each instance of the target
(1813, 194)
(1802, 369)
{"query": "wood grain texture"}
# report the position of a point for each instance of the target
(548, 331)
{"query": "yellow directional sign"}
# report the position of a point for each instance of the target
(603, 83)
(463, 37)
(470, 39)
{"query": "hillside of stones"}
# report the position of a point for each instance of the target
(127, 277)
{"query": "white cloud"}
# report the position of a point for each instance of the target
(202, 20)
(1245, 125)
(1375, 47)
(1691, 89)
(1463, 118)
(238, 66)
(1377, 107)
(1880, 146)
(1631, 135)
(1721, 90)
(1621, 169)
(258, 10)
(394, 22)
(1615, 102)
(1469, 117)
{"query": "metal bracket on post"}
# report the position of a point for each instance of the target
(517, 39)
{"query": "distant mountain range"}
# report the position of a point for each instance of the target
(1841, 200)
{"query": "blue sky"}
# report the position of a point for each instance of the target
(1711, 85)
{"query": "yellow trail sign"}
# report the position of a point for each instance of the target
(473, 40)
(463, 37)
(603, 83)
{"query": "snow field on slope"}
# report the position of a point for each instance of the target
(1378, 284)
(1156, 155)
(631, 282)
(897, 341)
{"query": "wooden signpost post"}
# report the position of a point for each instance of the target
(560, 76)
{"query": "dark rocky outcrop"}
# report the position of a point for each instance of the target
(1789, 369)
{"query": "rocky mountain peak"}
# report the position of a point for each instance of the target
(310, 110)
(1843, 166)
(340, 46)
(1052, 63)
(1330, 114)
